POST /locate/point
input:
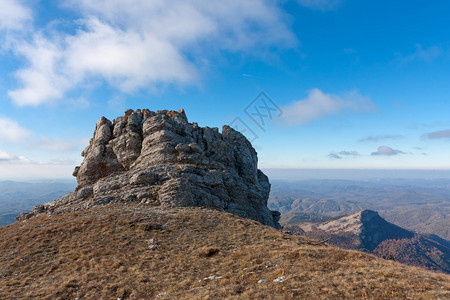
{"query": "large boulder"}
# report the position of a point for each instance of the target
(159, 158)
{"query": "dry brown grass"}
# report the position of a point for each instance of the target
(105, 253)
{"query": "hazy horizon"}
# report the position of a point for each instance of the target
(302, 174)
(354, 174)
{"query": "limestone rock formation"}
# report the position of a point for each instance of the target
(159, 158)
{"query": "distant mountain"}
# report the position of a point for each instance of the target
(367, 231)
(17, 197)
(363, 230)
(418, 205)
(426, 220)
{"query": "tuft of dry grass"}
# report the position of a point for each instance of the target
(208, 251)
(131, 251)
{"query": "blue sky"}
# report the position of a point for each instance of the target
(355, 84)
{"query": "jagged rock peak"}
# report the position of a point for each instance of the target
(116, 145)
(159, 158)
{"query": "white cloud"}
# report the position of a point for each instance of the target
(12, 132)
(143, 44)
(18, 167)
(318, 105)
(387, 151)
(42, 81)
(320, 4)
(234, 24)
(6, 157)
(14, 14)
(125, 58)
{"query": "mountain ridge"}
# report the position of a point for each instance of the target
(367, 231)
(426, 213)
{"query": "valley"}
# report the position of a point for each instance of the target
(418, 205)
(17, 197)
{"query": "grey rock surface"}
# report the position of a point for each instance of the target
(159, 158)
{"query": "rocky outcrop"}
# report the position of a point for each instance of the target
(159, 158)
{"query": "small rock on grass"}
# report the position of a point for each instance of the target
(262, 281)
(280, 279)
(212, 277)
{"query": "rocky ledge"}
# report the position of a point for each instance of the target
(159, 158)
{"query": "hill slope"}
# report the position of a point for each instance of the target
(367, 231)
(417, 251)
(136, 251)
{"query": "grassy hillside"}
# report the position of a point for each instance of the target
(140, 252)
(417, 251)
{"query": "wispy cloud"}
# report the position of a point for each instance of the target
(387, 151)
(343, 154)
(143, 44)
(78, 103)
(20, 167)
(376, 138)
(322, 5)
(441, 134)
(428, 125)
(421, 150)
(12, 132)
(63, 162)
(14, 15)
(249, 75)
(428, 54)
(6, 157)
(61, 145)
(319, 105)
